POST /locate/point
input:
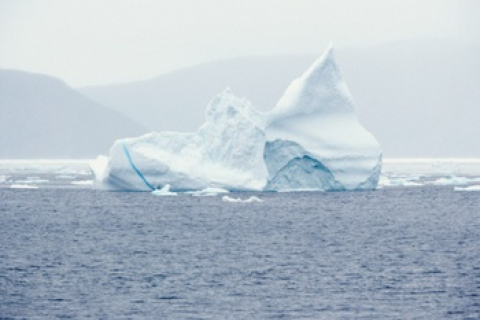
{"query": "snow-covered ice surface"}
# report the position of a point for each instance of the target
(226, 152)
(314, 137)
(310, 140)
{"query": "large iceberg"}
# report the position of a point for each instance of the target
(311, 140)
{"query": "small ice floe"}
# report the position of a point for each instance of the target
(23, 186)
(253, 199)
(451, 180)
(3, 178)
(165, 191)
(82, 182)
(229, 199)
(208, 192)
(249, 200)
(470, 188)
(32, 180)
(395, 181)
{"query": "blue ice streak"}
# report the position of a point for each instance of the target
(129, 157)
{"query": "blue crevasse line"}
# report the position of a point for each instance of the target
(127, 154)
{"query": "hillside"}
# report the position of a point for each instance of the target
(42, 117)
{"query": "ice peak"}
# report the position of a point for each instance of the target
(226, 105)
(321, 89)
(323, 63)
(223, 102)
(227, 92)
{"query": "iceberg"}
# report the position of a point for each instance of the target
(311, 140)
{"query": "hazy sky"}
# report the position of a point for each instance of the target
(98, 42)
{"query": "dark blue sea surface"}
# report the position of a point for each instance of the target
(399, 253)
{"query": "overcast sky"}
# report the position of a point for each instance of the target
(97, 42)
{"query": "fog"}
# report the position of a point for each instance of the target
(100, 42)
(412, 66)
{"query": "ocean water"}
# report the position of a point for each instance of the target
(405, 251)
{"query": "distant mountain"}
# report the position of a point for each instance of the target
(419, 98)
(42, 117)
(177, 101)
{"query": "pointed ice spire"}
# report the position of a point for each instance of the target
(320, 89)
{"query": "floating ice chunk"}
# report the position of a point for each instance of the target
(249, 200)
(399, 182)
(411, 184)
(252, 199)
(165, 191)
(23, 186)
(32, 180)
(470, 188)
(229, 199)
(208, 192)
(451, 181)
(82, 182)
(4, 178)
(99, 167)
